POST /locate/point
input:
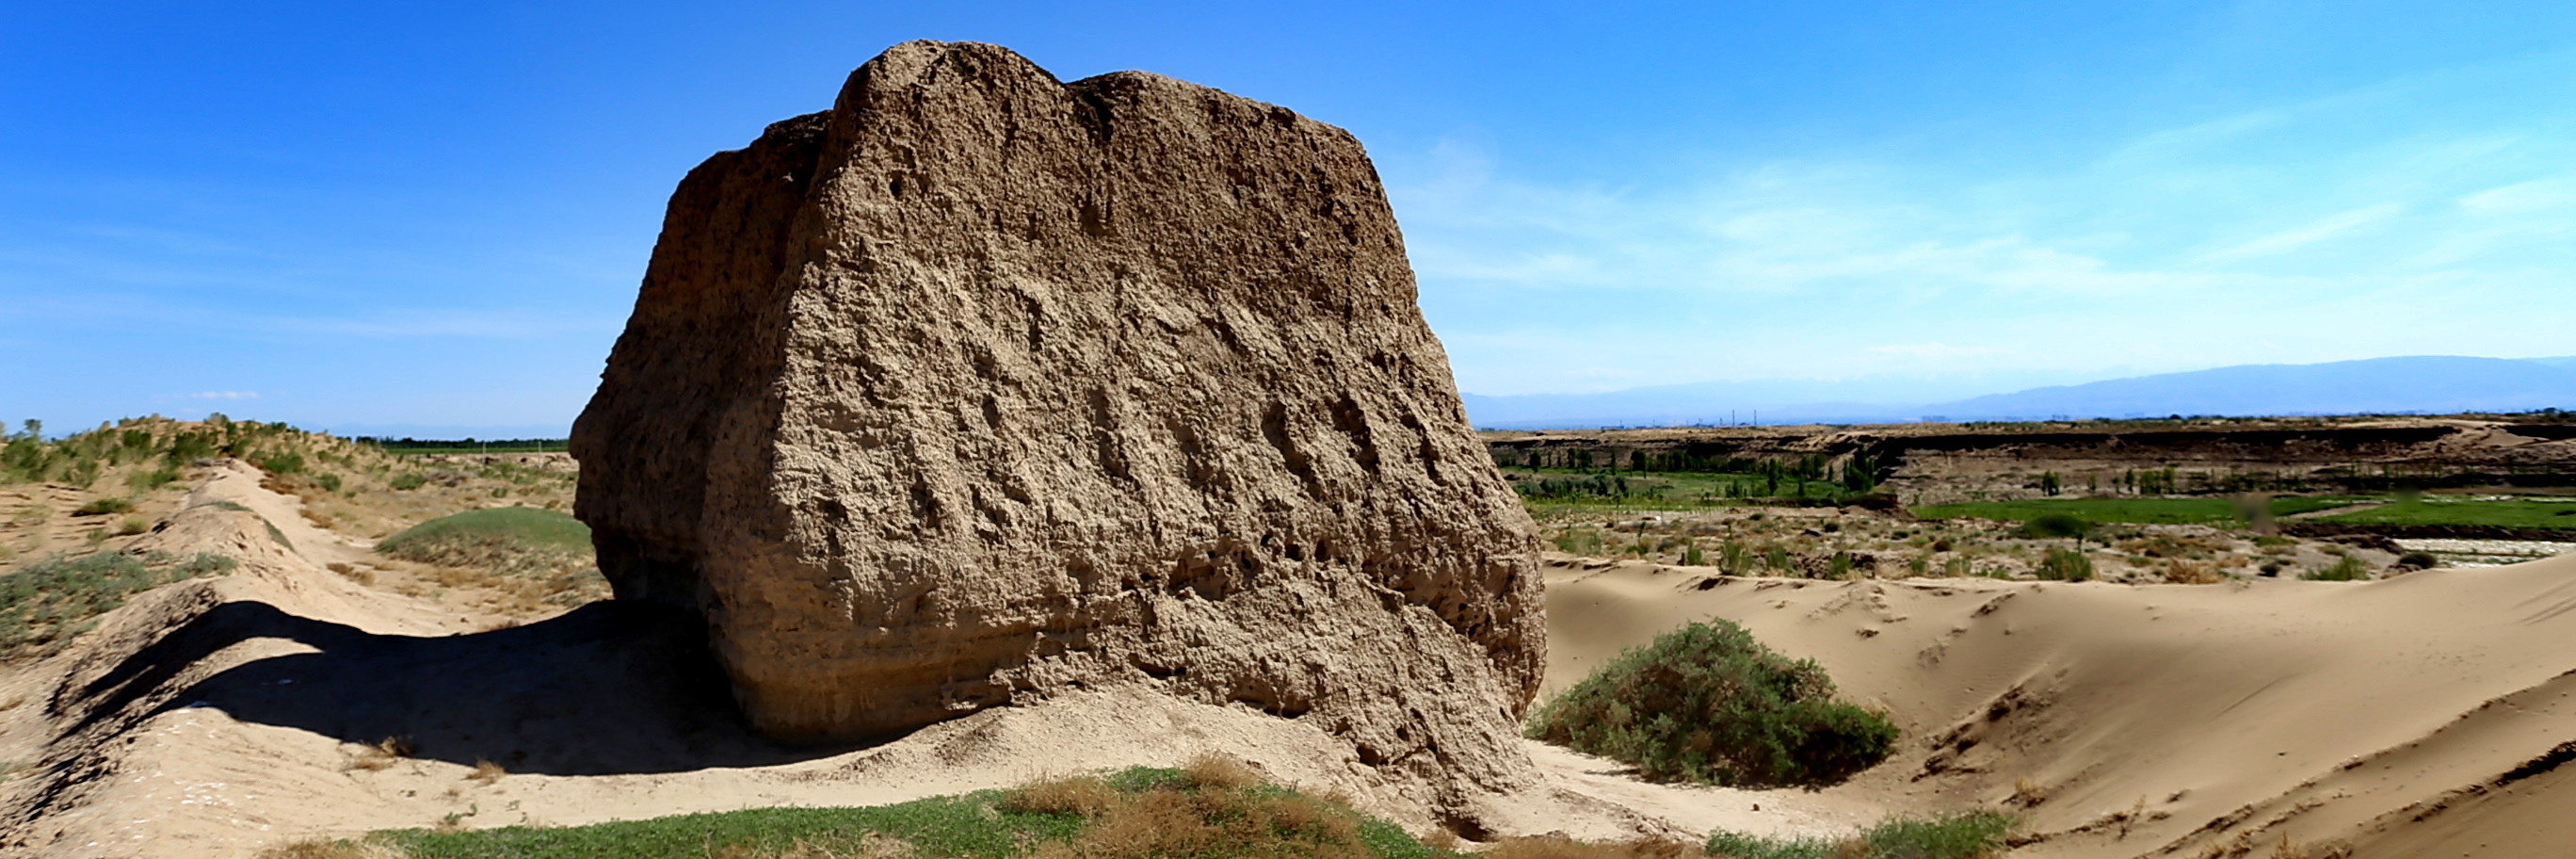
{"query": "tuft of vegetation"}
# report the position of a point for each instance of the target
(104, 506)
(1707, 703)
(56, 597)
(2054, 525)
(2348, 568)
(1974, 835)
(2419, 560)
(2065, 565)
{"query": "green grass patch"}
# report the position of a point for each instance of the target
(57, 597)
(1707, 703)
(2129, 511)
(2344, 569)
(1973, 835)
(1211, 808)
(2433, 510)
(509, 539)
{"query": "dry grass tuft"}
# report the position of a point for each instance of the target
(384, 753)
(354, 573)
(1085, 795)
(2182, 572)
(319, 848)
(1554, 846)
(2027, 794)
(1211, 770)
(486, 772)
(871, 846)
(1249, 823)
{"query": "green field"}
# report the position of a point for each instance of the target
(1661, 489)
(2129, 511)
(2516, 513)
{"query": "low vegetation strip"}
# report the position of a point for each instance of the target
(51, 599)
(1213, 808)
(2129, 511)
(1707, 703)
(2516, 513)
(1973, 835)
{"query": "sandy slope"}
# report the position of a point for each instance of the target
(2419, 716)
(2159, 720)
(213, 717)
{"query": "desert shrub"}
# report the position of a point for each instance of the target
(327, 480)
(278, 463)
(1707, 703)
(407, 480)
(133, 525)
(1579, 541)
(2054, 525)
(104, 506)
(2348, 568)
(146, 481)
(2065, 565)
(2419, 560)
(55, 597)
(1974, 835)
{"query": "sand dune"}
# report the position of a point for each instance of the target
(217, 716)
(2415, 716)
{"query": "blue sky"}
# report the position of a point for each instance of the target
(435, 215)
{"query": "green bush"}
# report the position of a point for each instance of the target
(2065, 565)
(146, 481)
(1973, 835)
(2054, 525)
(1707, 703)
(407, 481)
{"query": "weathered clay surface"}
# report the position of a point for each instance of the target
(981, 386)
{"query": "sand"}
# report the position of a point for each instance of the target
(2417, 716)
(2392, 716)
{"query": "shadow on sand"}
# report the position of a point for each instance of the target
(610, 687)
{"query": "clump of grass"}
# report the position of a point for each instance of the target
(1557, 846)
(1579, 541)
(381, 754)
(2054, 525)
(1707, 703)
(486, 772)
(2419, 560)
(2182, 572)
(2348, 568)
(104, 506)
(1974, 835)
(2065, 565)
(51, 599)
(133, 525)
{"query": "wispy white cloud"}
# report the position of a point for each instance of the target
(220, 395)
(2306, 232)
(2312, 232)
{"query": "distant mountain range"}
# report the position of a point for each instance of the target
(2422, 384)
